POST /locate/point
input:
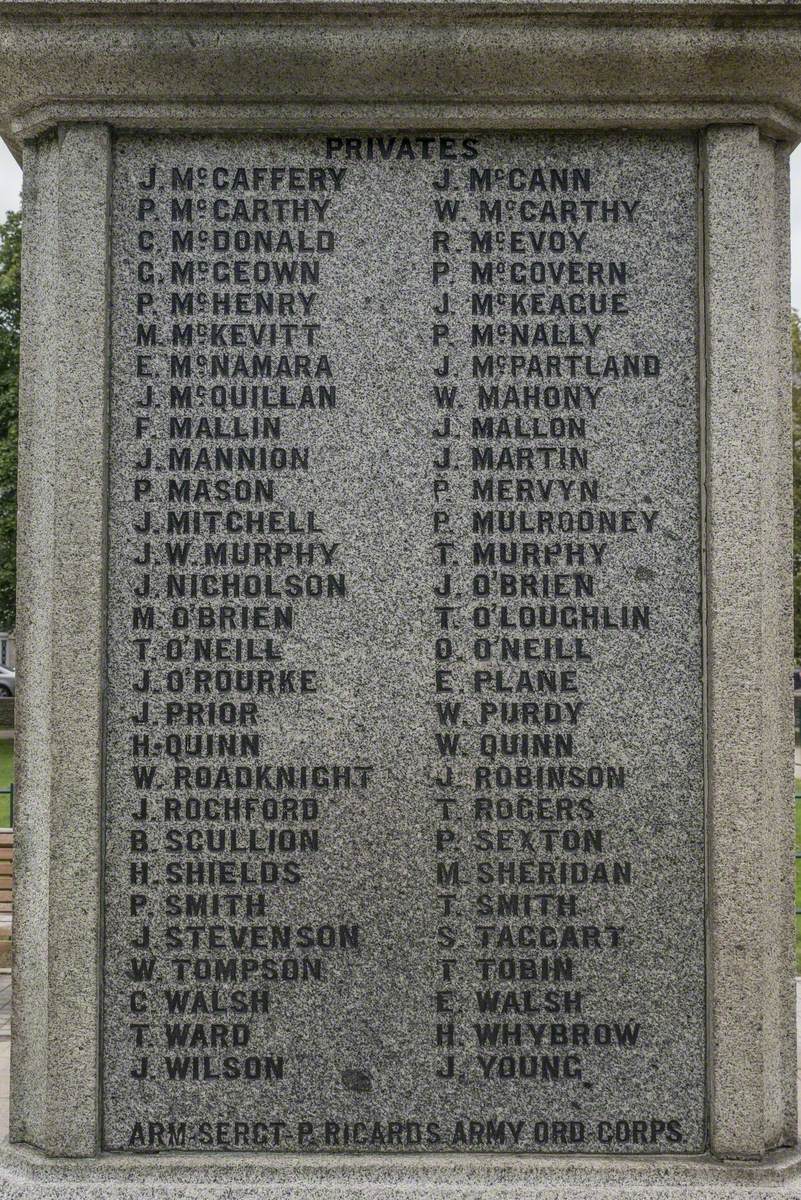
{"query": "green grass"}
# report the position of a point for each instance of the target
(7, 778)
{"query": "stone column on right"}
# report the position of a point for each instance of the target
(749, 605)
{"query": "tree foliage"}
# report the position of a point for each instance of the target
(10, 272)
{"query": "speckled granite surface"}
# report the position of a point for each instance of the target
(478, 661)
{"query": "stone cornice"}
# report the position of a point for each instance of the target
(685, 9)
(313, 64)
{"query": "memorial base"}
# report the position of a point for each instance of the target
(27, 1175)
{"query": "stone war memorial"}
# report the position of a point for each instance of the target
(404, 757)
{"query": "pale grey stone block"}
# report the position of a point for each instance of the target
(266, 65)
(61, 653)
(749, 618)
(28, 1175)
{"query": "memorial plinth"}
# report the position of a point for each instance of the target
(405, 461)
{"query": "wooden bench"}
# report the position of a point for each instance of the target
(6, 887)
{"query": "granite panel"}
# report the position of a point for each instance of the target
(404, 619)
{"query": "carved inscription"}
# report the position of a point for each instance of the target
(404, 844)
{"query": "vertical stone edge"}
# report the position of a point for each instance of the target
(35, 555)
(781, 1100)
(55, 1055)
(750, 903)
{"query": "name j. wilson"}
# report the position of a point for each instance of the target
(206, 1069)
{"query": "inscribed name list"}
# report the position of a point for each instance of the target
(404, 802)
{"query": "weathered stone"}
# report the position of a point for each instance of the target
(411, 517)
(460, 624)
